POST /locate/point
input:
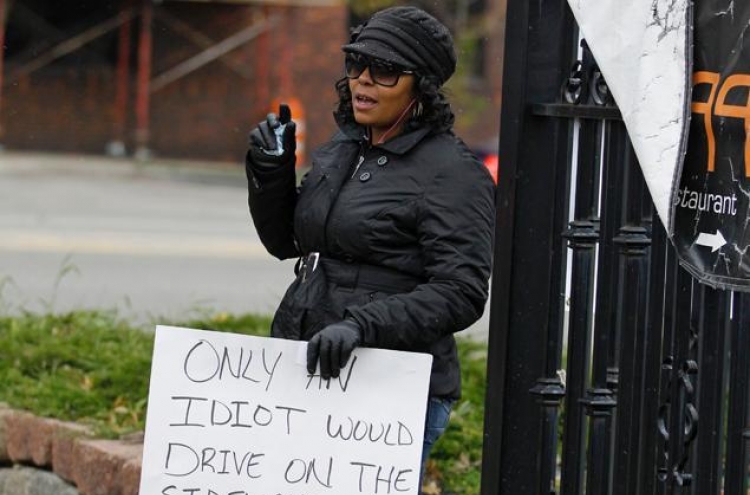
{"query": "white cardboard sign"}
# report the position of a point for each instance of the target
(231, 414)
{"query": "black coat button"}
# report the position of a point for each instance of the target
(365, 177)
(382, 160)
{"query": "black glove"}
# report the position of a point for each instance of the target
(334, 344)
(264, 147)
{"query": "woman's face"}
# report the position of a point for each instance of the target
(380, 107)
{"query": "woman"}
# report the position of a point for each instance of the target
(393, 224)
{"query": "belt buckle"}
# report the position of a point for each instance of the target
(309, 264)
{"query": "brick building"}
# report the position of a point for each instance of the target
(188, 78)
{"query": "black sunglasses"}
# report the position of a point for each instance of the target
(381, 72)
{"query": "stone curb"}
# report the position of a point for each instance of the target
(94, 466)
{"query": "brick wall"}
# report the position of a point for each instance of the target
(209, 113)
(319, 62)
(94, 466)
(69, 105)
(477, 101)
(61, 108)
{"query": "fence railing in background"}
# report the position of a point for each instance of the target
(647, 390)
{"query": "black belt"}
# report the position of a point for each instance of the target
(361, 275)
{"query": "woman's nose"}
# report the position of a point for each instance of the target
(365, 77)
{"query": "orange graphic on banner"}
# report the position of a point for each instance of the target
(736, 111)
(717, 105)
(705, 108)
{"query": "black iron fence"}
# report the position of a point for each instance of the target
(611, 371)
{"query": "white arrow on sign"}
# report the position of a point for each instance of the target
(714, 241)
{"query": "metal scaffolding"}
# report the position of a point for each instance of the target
(146, 83)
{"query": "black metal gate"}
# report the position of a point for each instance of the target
(611, 371)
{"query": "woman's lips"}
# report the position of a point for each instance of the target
(362, 102)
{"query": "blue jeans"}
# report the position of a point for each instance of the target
(438, 414)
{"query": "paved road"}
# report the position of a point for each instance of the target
(152, 241)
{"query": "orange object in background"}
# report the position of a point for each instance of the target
(492, 163)
(298, 116)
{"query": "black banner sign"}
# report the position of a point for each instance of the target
(712, 206)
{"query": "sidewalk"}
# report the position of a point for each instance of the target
(21, 162)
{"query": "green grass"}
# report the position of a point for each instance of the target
(457, 456)
(87, 366)
(93, 367)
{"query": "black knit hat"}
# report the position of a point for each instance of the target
(408, 37)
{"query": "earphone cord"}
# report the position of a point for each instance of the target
(398, 121)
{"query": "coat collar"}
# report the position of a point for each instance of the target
(399, 145)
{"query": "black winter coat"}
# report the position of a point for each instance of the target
(418, 210)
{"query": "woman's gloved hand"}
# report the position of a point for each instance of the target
(273, 142)
(333, 346)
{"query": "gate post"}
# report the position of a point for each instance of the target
(633, 241)
(600, 399)
(713, 331)
(526, 311)
(738, 420)
(583, 236)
